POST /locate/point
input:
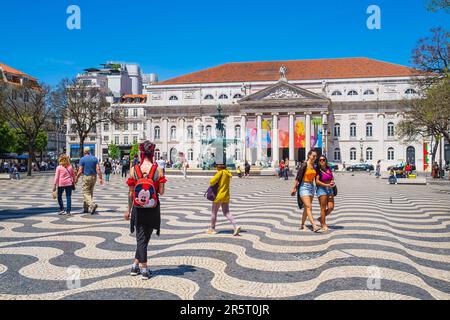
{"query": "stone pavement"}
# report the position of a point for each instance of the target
(385, 242)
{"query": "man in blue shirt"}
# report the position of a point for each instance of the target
(89, 168)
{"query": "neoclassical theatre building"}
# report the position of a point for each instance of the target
(347, 108)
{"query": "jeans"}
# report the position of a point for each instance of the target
(107, 176)
(68, 191)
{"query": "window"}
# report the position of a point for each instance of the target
(352, 93)
(145, 126)
(190, 155)
(410, 91)
(135, 126)
(135, 113)
(125, 140)
(157, 154)
(137, 100)
(125, 126)
(173, 133)
(390, 153)
(26, 97)
(237, 132)
(353, 154)
(337, 154)
(106, 139)
(116, 140)
(353, 130)
(173, 98)
(92, 138)
(157, 133)
(390, 128)
(125, 113)
(336, 93)
(337, 130)
(106, 127)
(369, 130)
(368, 92)
(135, 139)
(369, 154)
(237, 96)
(117, 127)
(209, 97)
(208, 132)
(73, 138)
(190, 132)
(223, 96)
(237, 154)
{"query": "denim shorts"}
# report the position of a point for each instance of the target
(324, 191)
(306, 189)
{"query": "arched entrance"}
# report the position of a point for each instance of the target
(411, 155)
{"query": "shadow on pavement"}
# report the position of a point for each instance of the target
(6, 214)
(179, 271)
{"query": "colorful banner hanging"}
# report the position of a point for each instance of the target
(316, 133)
(283, 132)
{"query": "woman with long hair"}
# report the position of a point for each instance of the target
(324, 190)
(64, 182)
(304, 188)
(144, 219)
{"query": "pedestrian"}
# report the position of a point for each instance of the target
(64, 182)
(392, 176)
(378, 169)
(108, 168)
(286, 169)
(222, 178)
(304, 188)
(135, 160)
(239, 172)
(16, 172)
(184, 167)
(125, 166)
(324, 190)
(247, 169)
(144, 218)
(89, 169)
(162, 164)
(281, 170)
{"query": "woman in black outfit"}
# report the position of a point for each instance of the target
(144, 220)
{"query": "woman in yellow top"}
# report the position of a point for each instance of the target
(304, 185)
(223, 179)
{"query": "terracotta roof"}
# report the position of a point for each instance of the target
(143, 96)
(341, 68)
(8, 69)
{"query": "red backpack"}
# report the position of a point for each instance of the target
(145, 191)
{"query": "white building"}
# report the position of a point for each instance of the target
(347, 108)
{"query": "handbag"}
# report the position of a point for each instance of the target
(73, 184)
(335, 191)
(211, 193)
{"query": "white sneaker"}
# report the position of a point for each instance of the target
(237, 231)
(62, 213)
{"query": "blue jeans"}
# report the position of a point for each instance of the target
(107, 176)
(68, 190)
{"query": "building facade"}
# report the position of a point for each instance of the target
(347, 109)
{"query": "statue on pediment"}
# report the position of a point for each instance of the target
(282, 72)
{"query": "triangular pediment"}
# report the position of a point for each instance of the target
(283, 91)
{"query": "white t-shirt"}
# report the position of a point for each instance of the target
(161, 163)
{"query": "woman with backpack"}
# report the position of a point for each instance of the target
(146, 184)
(222, 181)
(64, 182)
(324, 190)
(304, 188)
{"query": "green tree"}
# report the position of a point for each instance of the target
(41, 142)
(134, 150)
(8, 138)
(114, 151)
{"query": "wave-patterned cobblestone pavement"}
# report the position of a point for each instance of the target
(399, 234)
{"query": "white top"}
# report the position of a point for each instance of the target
(161, 163)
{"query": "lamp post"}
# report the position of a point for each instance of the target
(361, 143)
(220, 128)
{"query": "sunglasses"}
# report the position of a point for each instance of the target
(322, 160)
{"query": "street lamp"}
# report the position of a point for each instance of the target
(361, 143)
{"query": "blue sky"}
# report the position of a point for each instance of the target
(174, 37)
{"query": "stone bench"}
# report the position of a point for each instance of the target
(5, 176)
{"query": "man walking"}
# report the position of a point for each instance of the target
(89, 168)
(108, 169)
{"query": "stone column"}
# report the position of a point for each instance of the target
(381, 134)
(243, 140)
(275, 140)
(307, 133)
(259, 137)
(182, 135)
(149, 133)
(165, 137)
(197, 140)
(291, 138)
(325, 133)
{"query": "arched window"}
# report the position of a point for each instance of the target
(368, 92)
(173, 98)
(390, 153)
(157, 133)
(337, 154)
(337, 130)
(208, 132)
(336, 93)
(237, 154)
(353, 154)
(237, 132)
(209, 97)
(223, 96)
(352, 93)
(173, 133)
(369, 130)
(352, 129)
(369, 154)
(237, 96)
(190, 132)
(410, 91)
(390, 129)
(190, 155)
